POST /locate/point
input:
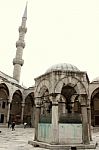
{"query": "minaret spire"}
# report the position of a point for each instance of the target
(20, 45)
(25, 12)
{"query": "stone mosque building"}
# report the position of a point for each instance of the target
(61, 84)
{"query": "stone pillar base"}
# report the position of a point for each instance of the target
(62, 147)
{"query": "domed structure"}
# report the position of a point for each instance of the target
(63, 67)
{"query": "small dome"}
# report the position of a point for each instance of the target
(63, 67)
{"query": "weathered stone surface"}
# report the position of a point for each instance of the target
(16, 140)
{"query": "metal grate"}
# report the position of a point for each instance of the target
(70, 118)
(45, 118)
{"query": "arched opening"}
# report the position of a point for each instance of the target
(16, 107)
(70, 106)
(67, 92)
(46, 106)
(29, 110)
(4, 93)
(95, 108)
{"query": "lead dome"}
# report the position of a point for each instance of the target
(63, 67)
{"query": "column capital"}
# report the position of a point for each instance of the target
(89, 108)
(55, 97)
(23, 104)
(38, 102)
(83, 99)
(54, 103)
(8, 102)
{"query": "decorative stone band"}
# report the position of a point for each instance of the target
(54, 97)
(54, 104)
(20, 43)
(16, 61)
(62, 102)
(84, 105)
(22, 29)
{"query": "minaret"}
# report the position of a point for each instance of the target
(20, 44)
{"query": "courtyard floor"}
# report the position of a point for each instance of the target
(18, 139)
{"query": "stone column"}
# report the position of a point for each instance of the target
(55, 118)
(32, 117)
(8, 113)
(72, 103)
(42, 109)
(89, 120)
(61, 108)
(84, 113)
(64, 107)
(22, 113)
(37, 117)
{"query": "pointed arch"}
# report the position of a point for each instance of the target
(4, 89)
(95, 107)
(4, 95)
(16, 107)
(75, 83)
(42, 86)
(29, 109)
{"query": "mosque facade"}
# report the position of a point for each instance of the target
(62, 84)
(16, 101)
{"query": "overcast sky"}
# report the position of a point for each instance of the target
(58, 31)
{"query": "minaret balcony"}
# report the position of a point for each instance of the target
(22, 29)
(18, 61)
(20, 44)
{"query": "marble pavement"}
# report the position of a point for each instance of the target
(18, 139)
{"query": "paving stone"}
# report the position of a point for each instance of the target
(18, 139)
